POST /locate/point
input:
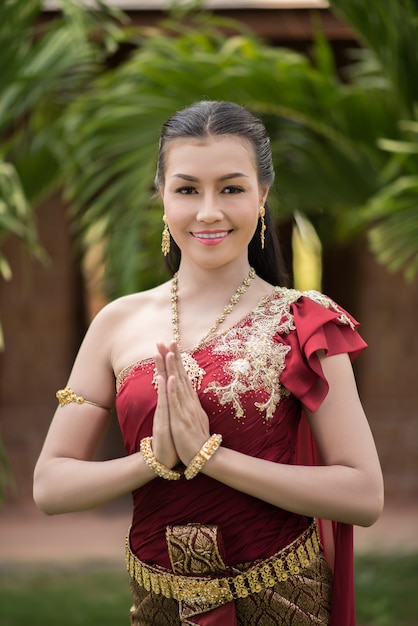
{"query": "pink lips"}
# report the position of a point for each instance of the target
(211, 237)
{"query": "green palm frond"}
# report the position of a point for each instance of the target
(394, 237)
(43, 68)
(330, 139)
(388, 29)
(324, 136)
(390, 32)
(16, 216)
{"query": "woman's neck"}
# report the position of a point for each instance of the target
(218, 281)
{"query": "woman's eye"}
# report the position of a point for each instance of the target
(186, 190)
(232, 189)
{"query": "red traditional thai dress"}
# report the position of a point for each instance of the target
(253, 381)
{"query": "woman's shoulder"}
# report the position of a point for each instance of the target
(124, 307)
(306, 310)
(131, 325)
(289, 294)
(307, 299)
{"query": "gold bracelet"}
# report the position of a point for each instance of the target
(153, 463)
(205, 453)
(67, 395)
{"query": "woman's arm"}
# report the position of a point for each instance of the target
(67, 480)
(66, 477)
(348, 488)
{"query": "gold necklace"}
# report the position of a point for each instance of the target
(193, 369)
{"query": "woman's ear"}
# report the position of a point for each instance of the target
(265, 193)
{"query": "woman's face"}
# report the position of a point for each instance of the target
(212, 198)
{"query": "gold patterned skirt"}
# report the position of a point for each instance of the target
(291, 588)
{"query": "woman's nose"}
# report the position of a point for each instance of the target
(209, 209)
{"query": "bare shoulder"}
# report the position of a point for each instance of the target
(124, 308)
(133, 324)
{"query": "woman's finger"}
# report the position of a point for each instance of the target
(162, 443)
(175, 367)
(160, 357)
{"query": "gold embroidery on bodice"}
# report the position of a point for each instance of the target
(254, 361)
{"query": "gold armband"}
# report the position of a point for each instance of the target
(67, 395)
(153, 463)
(205, 453)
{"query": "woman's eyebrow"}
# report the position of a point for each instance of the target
(233, 175)
(186, 177)
(224, 177)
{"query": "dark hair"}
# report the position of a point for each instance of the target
(207, 118)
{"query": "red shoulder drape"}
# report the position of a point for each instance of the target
(335, 332)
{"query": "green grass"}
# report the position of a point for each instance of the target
(387, 590)
(98, 595)
(90, 596)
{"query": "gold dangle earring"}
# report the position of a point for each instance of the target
(165, 241)
(263, 226)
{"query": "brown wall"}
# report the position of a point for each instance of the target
(387, 372)
(41, 314)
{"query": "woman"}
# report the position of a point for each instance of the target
(223, 493)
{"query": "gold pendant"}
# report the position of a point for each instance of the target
(193, 370)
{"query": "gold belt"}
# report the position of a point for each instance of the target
(258, 577)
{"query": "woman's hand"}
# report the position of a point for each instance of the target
(189, 424)
(162, 439)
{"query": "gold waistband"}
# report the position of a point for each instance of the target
(257, 577)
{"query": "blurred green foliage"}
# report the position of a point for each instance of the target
(83, 97)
